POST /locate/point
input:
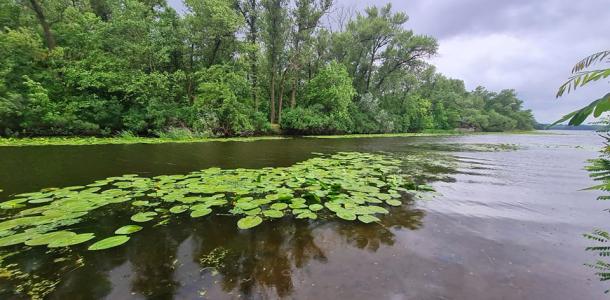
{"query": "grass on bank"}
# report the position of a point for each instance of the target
(76, 141)
(131, 139)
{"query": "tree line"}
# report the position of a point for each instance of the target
(228, 67)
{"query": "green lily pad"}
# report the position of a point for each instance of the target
(316, 207)
(16, 239)
(72, 240)
(246, 205)
(346, 215)
(393, 202)
(279, 206)
(178, 209)
(377, 210)
(110, 242)
(143, 216)
(201, 212)
(128, 229)
(47, 238)
(368, 219)
(249, 222)
(307, 215)
(425, 187)
(273, 213)
(253, 212)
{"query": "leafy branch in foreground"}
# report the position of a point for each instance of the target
(582, 78)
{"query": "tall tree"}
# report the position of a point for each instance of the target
(251, 11)
(275, 29)
(44, 23)
(307, 15)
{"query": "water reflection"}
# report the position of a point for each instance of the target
(211, 258)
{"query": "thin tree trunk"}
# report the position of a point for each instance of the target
(293, 93)
(46, 28)
(272, 98)
(280, 101)
(189, 89)
(215, 51)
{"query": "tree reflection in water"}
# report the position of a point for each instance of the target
(267, 261)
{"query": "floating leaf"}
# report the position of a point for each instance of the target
(249, 222)
(47, 238)
(377, 210)
(110, 242)
(425, 187)
(71, 240)
(178, 209)
(279, 206)
(143, 216)
(16, 239)
(273, 213)
(307, 215)
(346, 215)
(393, 202)
(316, 207)
(253, 212)
(246, 205)
(128, 229)
(201, 212)
(368, 219)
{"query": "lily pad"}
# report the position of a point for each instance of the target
(279, 206)
(16, 239)
(368, 219)
(273, 213)
(110, 242)
(393, 202)
(72, 240)
(201, 212)
(47, 238)
(178, 209)
(316, 207)
(346, 215)
(246, 205)
(249, 222)
(143, 216)
(128, 229)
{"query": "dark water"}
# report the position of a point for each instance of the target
(509, 226)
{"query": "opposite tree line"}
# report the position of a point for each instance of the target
(228, 67)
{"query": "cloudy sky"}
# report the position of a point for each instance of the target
(526, 45)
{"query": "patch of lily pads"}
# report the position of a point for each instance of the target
(350, 186)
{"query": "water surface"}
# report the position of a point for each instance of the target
(508, 225)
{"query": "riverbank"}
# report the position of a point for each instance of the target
(78, 141)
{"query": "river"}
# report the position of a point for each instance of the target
(504, 224)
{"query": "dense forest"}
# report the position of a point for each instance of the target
(228, 67)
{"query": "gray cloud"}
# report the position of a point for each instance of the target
(525, 45)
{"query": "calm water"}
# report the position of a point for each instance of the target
(508, 226)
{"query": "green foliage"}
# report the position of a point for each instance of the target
(580, 78)
(331, 90)
(225, 68)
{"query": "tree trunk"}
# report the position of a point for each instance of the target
(215, 51)
(46, 28)
(293, 93)
(280, 101)
(272, 98)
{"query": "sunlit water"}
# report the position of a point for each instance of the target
(508, 226)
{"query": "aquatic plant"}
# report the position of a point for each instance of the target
(349, 186)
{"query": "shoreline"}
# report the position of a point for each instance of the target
(85, 141)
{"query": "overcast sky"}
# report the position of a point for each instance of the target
(526, 45)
